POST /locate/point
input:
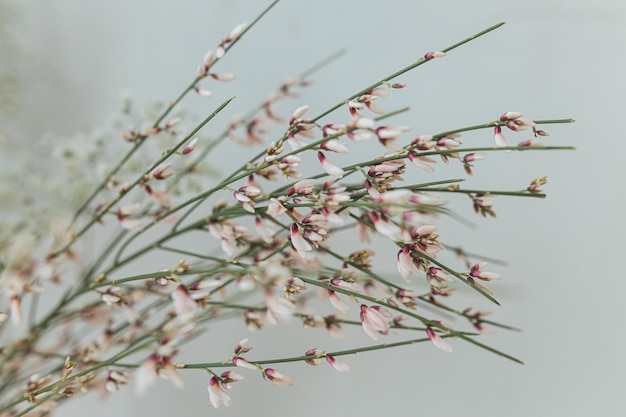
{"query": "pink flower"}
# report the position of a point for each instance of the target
(499, 137)
(278, 378)
(303, 187)
(297, 240)
(315, 361)
(146, 375)
(242, 363)
(421, 161)
(115, 379)
(279, 306)
(477, 272)
(229, 377)
(437, 341)
(133, 224)
(388, 134)
(334, 146)
(223, 77)
(217, 395)
(510, 115)
(208, 60)
(373, 321)
(297, 114)
(329, 167)
(337, 365)
(275, 208)
(337, 302)
(386, 227)
(190, 147)
(184, 304)
(236, 32)
(406, 266)
(431, 55)
(241, 347)
(266, 233)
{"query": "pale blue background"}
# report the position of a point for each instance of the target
(564, 285)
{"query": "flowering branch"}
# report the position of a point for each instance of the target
(274, 256)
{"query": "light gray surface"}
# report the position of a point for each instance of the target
(564, 284)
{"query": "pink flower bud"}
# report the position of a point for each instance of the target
(431, 55)
(208, 60)
(297, 114)
(191, 146)
(236, 32)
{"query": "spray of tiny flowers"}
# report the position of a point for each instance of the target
(273, 243)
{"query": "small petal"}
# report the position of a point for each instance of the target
(191, 146)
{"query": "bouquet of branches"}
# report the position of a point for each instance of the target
(260, 245)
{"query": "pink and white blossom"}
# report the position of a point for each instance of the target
(217, 395)
(373, 321)
(337, 302)
(337, 365)
(477, 272)
(316, 361)
(184, 304)
(436, 54)
(329, 167)
(437, 340)
(242, 363)
(278, 378)
(297, 240)
(406, 265)
(190, 146)
(499, 137)
(146, 375)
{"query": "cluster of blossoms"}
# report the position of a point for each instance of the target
(268, 249)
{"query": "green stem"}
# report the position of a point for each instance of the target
(427, 322)
(301, 358)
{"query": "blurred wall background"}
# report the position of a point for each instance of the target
(564, 283)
